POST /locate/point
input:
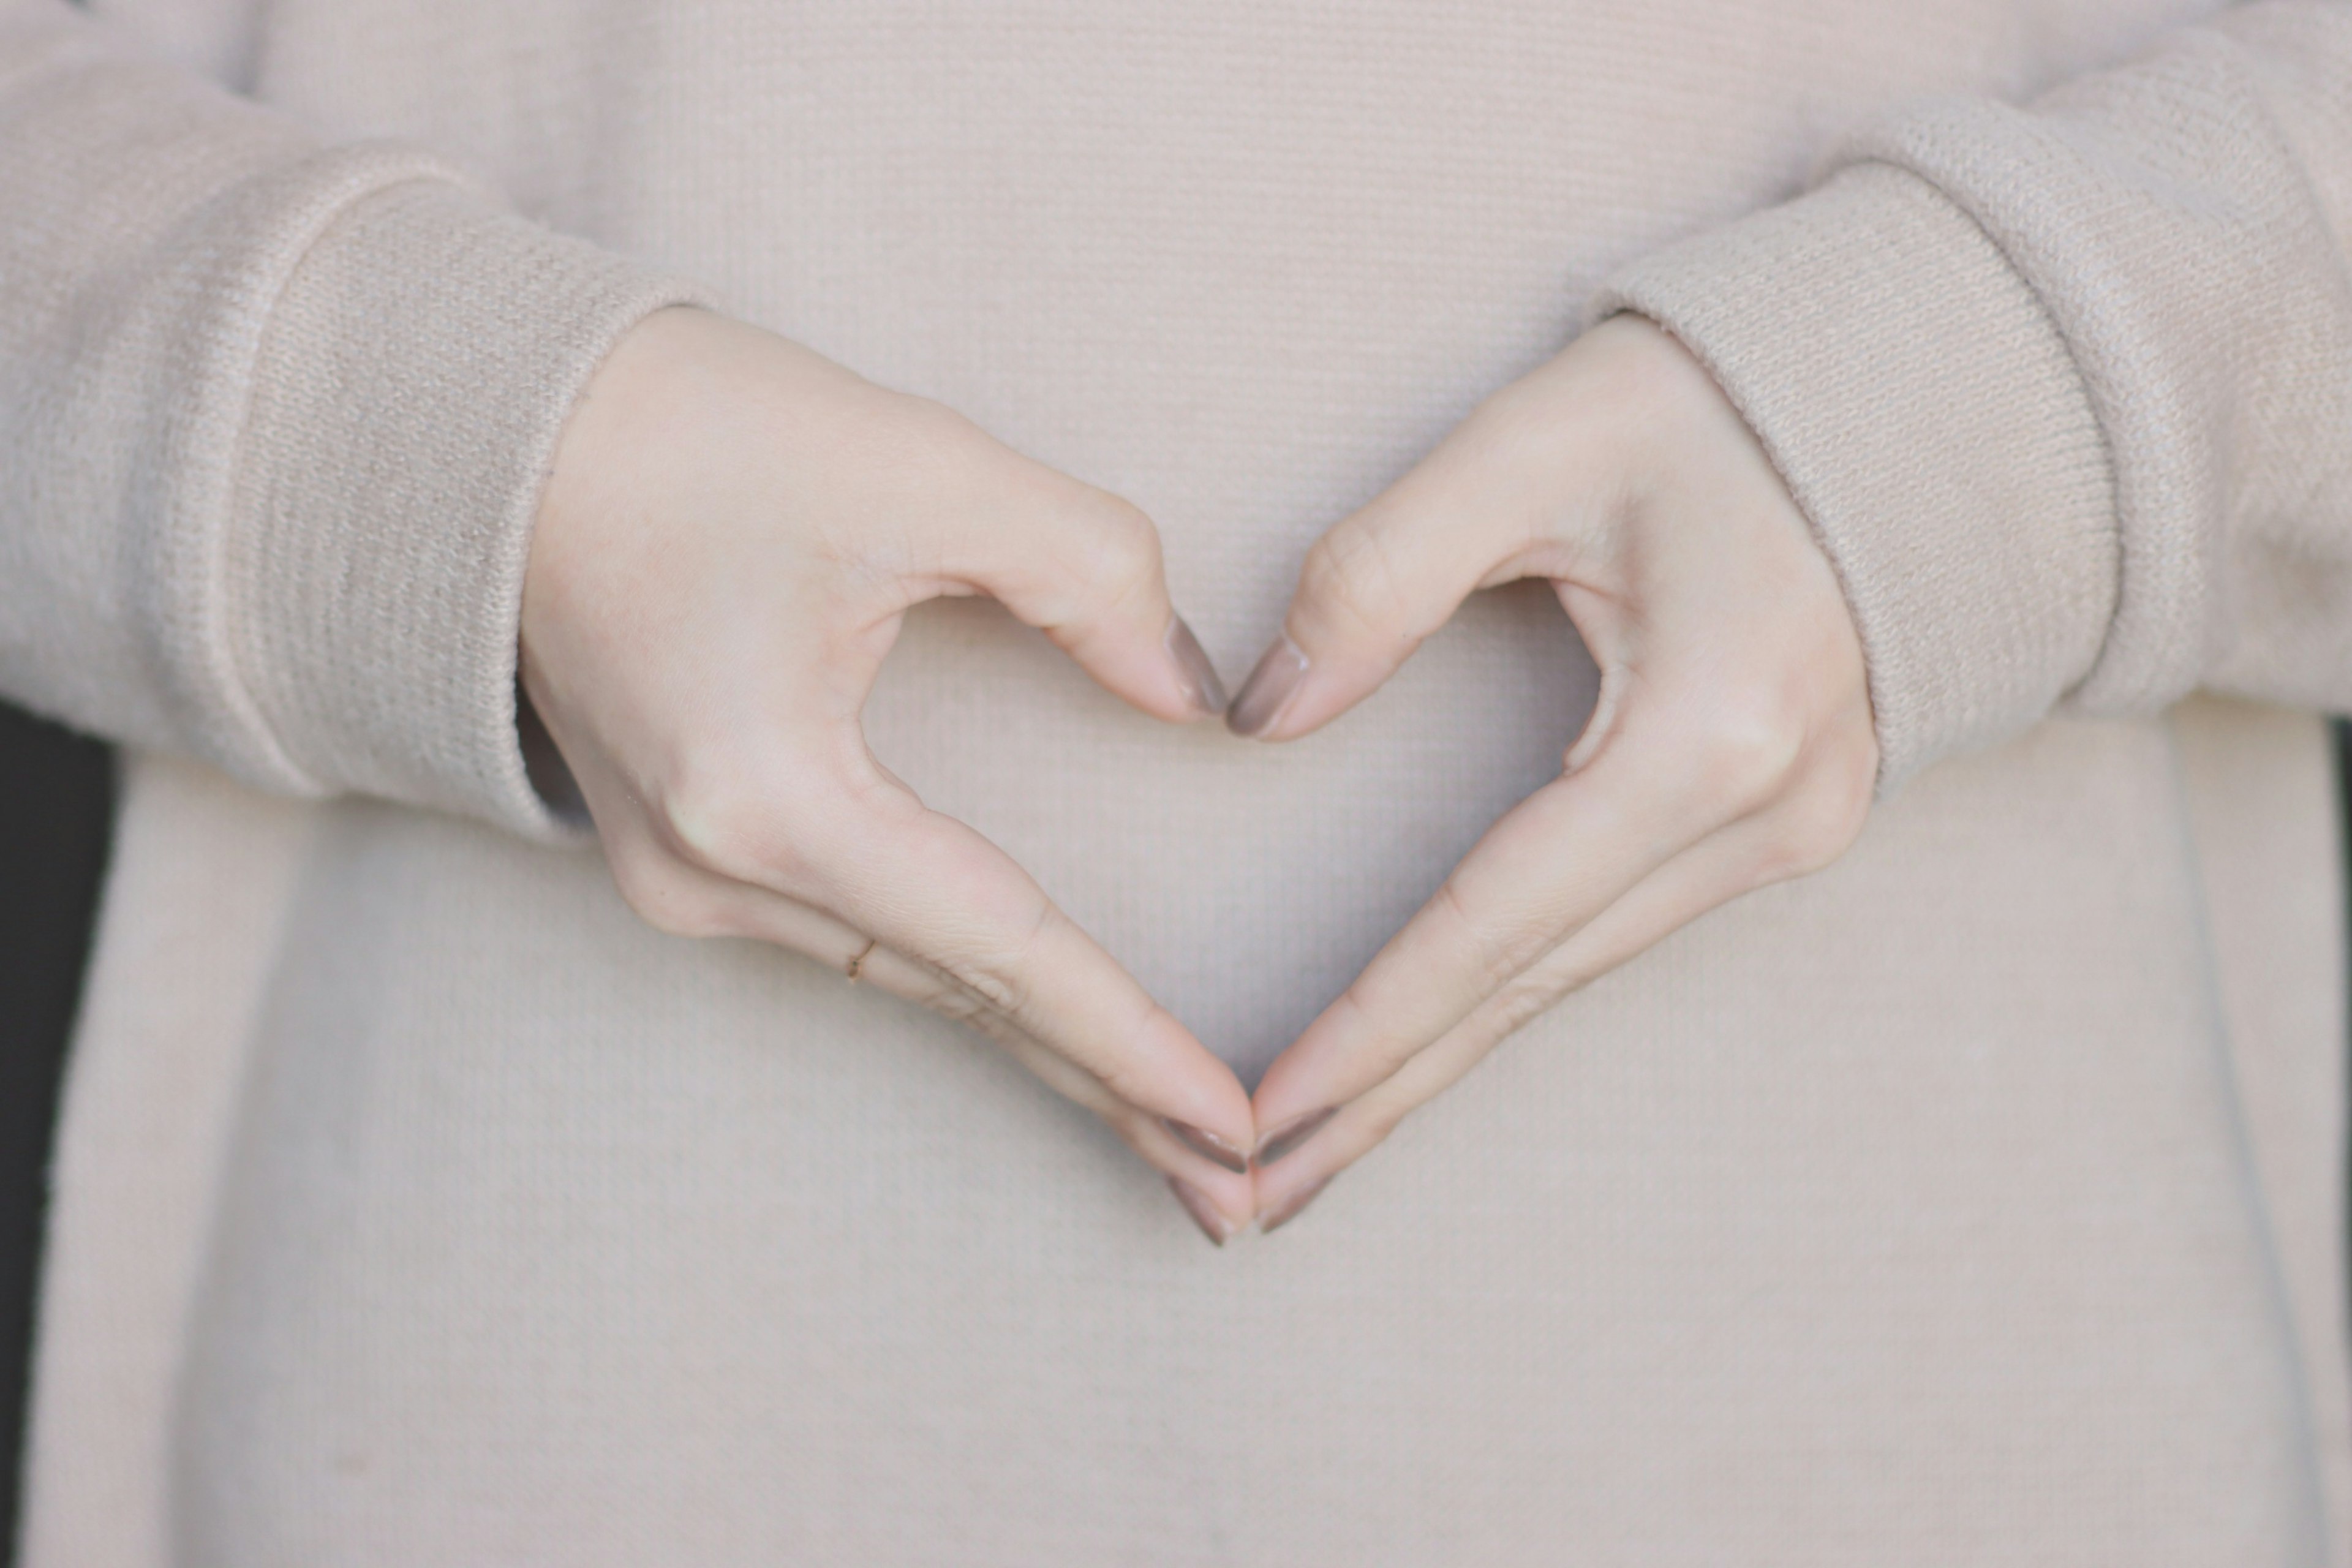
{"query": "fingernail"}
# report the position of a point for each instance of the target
(1286, 1211)
(1292, 1133)
(1268, 689)
(1208, 1145)
(1214, 1223)
(1202, 687)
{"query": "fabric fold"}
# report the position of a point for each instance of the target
(1928, 419)
(408, 396)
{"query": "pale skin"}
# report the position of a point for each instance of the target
(730, 537)
(1731, 747)
(735, 528)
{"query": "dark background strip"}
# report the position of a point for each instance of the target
(57, 805)
(2344, 799)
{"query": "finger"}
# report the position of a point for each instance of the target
(685, 899)
(1545, 868)
(1803, 830)
(870, 856)
(1379, 583)
(1356, 1129)
(931, 888)
(1084, 567)
(1220, 1199)
(1221, 1202)
(738, 908)
(1704, 877)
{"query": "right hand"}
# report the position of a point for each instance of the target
(732, 534)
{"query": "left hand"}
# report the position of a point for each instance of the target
(1731, 746)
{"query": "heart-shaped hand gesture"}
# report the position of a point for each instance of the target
(1731, 746)
(735, 529)
(730, 538)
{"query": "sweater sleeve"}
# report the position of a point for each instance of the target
(274, 417)
(2065, 390)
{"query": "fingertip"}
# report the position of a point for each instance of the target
(1268, 693)
(1214, 1223)
(1290, 1135)
(1300, 684)
(1191, 1093)
(1091, 575)
(1196, 673)
(1217, 1150)
(1274, 1215)
(1167, 676)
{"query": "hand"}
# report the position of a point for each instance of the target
(1731, 745)
(730, 538)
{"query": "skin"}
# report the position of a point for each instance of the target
(734, 528)
(1732, 745)
(729, 542)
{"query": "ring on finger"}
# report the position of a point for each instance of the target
(856, 963)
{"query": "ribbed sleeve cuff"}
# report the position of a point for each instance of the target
(410, 384)
(1930, 423)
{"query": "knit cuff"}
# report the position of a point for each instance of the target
(409, 391)
(1929, 421)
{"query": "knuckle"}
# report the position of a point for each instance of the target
(738, 820)
(1123, 1080)
(1352, 571)
(1123, 559)
(952, 998)
(999, 972)
(659, 894)
(1497, 958)
(991, 987)
(709, 820)
(957, 1003)
(1827, 816)
(1751, 754)
(1816, 825)
(1526, 999)
(1125, 530)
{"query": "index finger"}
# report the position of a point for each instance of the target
(1542, 871)
(935, 889)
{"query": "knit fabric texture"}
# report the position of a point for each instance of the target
(1977, 1199)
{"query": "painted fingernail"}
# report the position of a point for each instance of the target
(1292, 1133)
(1202, 687)
(1214, 1223)
(1268, 689)
(1208, 1145)
(1286, 1211)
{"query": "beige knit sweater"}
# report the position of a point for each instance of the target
(1978, 1201)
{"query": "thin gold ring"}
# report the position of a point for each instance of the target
(857, 963)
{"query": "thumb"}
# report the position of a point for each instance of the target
(1377, 584)
(1084, 566)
